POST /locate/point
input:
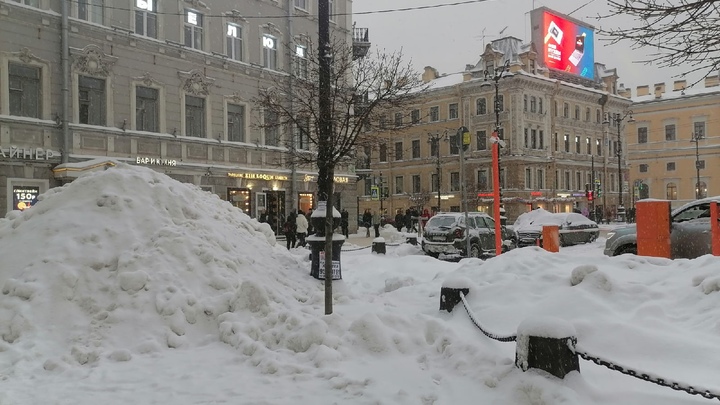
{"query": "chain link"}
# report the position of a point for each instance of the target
(511, 338)
(647, 377)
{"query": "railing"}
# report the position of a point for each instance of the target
(361, 35)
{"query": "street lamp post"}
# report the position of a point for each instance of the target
(696, 137)
(435, 143)
(617, 119)
(497, 142)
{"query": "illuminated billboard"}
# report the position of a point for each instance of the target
(564, 44)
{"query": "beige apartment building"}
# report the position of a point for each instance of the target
(552, 124)
(167, 84)
(674, 143)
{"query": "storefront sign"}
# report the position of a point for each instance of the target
(337, 179)
(259, 176)
(24, 197)
(536, 193)
(486, 195)
(155, 161)
(13, 152)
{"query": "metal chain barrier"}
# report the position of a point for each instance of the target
(355, 249)
(511, 338)
(647, 377)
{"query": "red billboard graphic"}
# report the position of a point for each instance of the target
(567, 46)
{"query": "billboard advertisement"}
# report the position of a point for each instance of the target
(565, 45)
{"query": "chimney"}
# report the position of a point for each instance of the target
(624, 91)
(712, 81)
(659, 89)
(429, 74)
(679, 85)
(643, 90)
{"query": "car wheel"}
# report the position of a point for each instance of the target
(592, 238)
(474, 250)
(631, 249)
(433, 255)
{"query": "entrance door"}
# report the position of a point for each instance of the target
(275, 209)
(260, 204)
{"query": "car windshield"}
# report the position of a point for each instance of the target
(442, 221)
(697, 211)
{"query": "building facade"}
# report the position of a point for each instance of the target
(674, 143)
(553, 126)
(164, 84)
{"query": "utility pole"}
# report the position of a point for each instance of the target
(696, 137)
(435, 143)
(463, 138)
(324, 137)
(594, 194)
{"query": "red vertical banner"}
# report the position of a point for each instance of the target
(715, 227)
(496, 192)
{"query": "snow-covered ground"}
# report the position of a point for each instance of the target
(126, 286)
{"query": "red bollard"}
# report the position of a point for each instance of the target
(653, 228)
(551, 238)
(715, 227)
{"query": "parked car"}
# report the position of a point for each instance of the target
(690, 235)
(574, 228)
(446, 233)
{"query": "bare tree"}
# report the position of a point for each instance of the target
(683, 32)
(363, 92)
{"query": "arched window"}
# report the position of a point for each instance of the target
(701, 191)
(671, 191)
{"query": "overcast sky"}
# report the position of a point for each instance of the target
(448, 38)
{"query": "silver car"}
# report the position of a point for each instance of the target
(690, 235)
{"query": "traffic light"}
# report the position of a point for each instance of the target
(598, 190)
(588, 193)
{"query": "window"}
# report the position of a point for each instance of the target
(270, 52)
(435, 147)
(193, 29)
(587, 114)
(398, 151)
(233, 42)
(555, 108)
(481, 140)
(454, 181)
(540, 105)
(301, 62)
(598, 146)
(331, 10)
(643, 168)
(567, 181)
(541, 139)
(533, 138)
(32, 3)
(577, 113)
(642, 135)
(398, 119)
(301, 4)
(235, 123)
(670, 166)
(194, 116)
(528, 178)
(480, 106)
(146, 109)
(399, 185)
(702, 191)
(91, 100)
(555, 138)
(700, 164)
(415, 116)
(566, 110)
(699, 130)
(272, 128)
(434, 114)
(434, 182)
(533, 104)
(91, 10)
(482, 180)
(588, 145)
(525, 102)
(383, 153)
(578, 181)
(539, 180)
(416, 183)
(25, 90)
(302, 134)
(598, 116)
(453, 111)
(567, 143)
(500, 103)
(455, 140)
(670, 132)
(416, 149)
(146, 18)
(383, 122)
(671, 191)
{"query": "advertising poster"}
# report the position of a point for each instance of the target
(568, 46)
(24, 197)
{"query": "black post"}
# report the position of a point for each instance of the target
(619, 157)
(696, 139)
(435, 142)
(325, 134)
(592, 177)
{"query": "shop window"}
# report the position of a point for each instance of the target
(671, 191)
(240, 198)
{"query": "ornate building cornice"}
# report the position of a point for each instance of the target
(195, 82)
(147, 79)
(92, 60)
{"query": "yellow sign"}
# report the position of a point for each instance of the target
(337, 179)
(258, 176)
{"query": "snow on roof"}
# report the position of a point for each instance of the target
(677, 95)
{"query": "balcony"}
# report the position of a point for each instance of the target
(361, 42)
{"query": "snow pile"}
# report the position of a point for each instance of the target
(128, 260)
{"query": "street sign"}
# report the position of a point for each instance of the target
(374, 193)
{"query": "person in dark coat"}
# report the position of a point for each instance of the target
(344, 222)
(308, 216)
(399, 219)
(367, 220)
(290, 229)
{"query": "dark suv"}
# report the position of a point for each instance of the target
(446, 233)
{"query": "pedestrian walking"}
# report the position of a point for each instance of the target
(345, 222)
(367, 219)
(302, 228)
(376, 223)
(290, 229)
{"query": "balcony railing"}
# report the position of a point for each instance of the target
(361, 42)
